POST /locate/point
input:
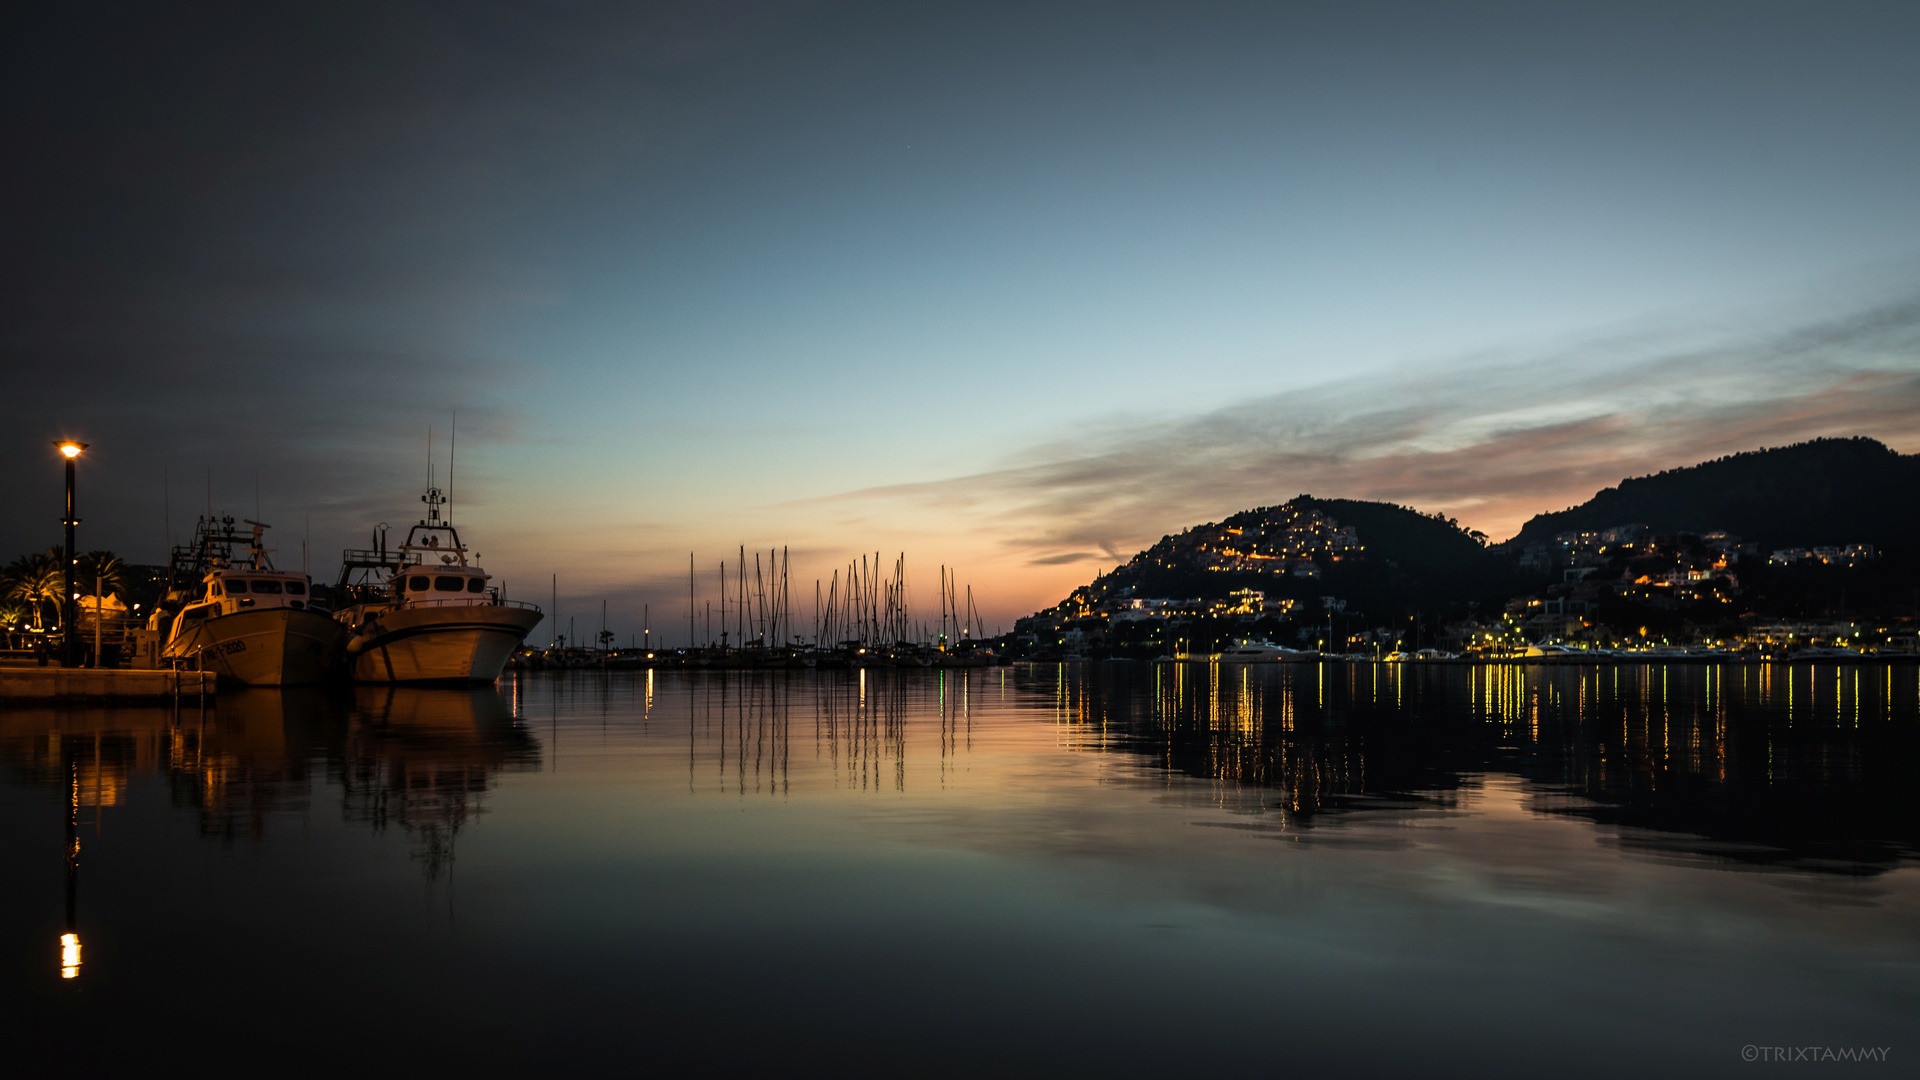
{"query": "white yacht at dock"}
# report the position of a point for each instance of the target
(249, 623)
(1249, 652)
(1258, 652)
(433, 616)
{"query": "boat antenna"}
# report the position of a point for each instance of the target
(451, 440)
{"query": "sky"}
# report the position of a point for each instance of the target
(1015, 289)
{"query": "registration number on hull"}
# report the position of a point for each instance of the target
(228, 648)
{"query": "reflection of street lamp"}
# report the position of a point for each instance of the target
(70, 941)
(69, 611)
(69, 955)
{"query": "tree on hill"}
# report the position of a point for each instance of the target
(1828, 491)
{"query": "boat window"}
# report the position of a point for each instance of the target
(268, 587)
(448, 584)
(417, 583)
(235, 585)
(476, 584)
(214, 589)
(296, 588)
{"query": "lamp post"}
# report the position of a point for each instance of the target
(69, 611)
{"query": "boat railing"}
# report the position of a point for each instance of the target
(476, 601)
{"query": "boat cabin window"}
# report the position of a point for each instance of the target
(417, 583)
(216, 590)
(447, 583)
(476, 584)
(268, 587)
(296, 588)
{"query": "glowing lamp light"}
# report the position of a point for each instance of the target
(69, 955)
(71, 449)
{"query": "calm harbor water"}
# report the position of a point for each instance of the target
(1081, 869)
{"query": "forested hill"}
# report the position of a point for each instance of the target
(1420, 543)
(1377, 556)
(1828, 491)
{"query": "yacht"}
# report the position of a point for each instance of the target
(428, 614)
(243, 619)
(1258, 652)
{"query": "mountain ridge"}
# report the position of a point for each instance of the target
(1823, 491)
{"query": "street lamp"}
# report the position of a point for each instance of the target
(69, 611)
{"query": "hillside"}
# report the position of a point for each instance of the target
(1376, 557)
(1828, 491)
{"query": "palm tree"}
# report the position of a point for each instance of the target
(12, 614)
(101, 572)
(34, 580)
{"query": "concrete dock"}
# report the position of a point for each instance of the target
(46, 684)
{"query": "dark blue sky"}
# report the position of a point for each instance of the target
(844, 275)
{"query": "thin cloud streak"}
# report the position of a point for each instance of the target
(1492, 444)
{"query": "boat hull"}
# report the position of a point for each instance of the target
(271, 647)
(464, 644)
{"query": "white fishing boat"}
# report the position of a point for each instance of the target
(250, 623)
(430, 614)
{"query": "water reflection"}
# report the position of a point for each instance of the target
(423, 759)
(740, 726)
(1764, 765)
(420, 759)
(1470, 871)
